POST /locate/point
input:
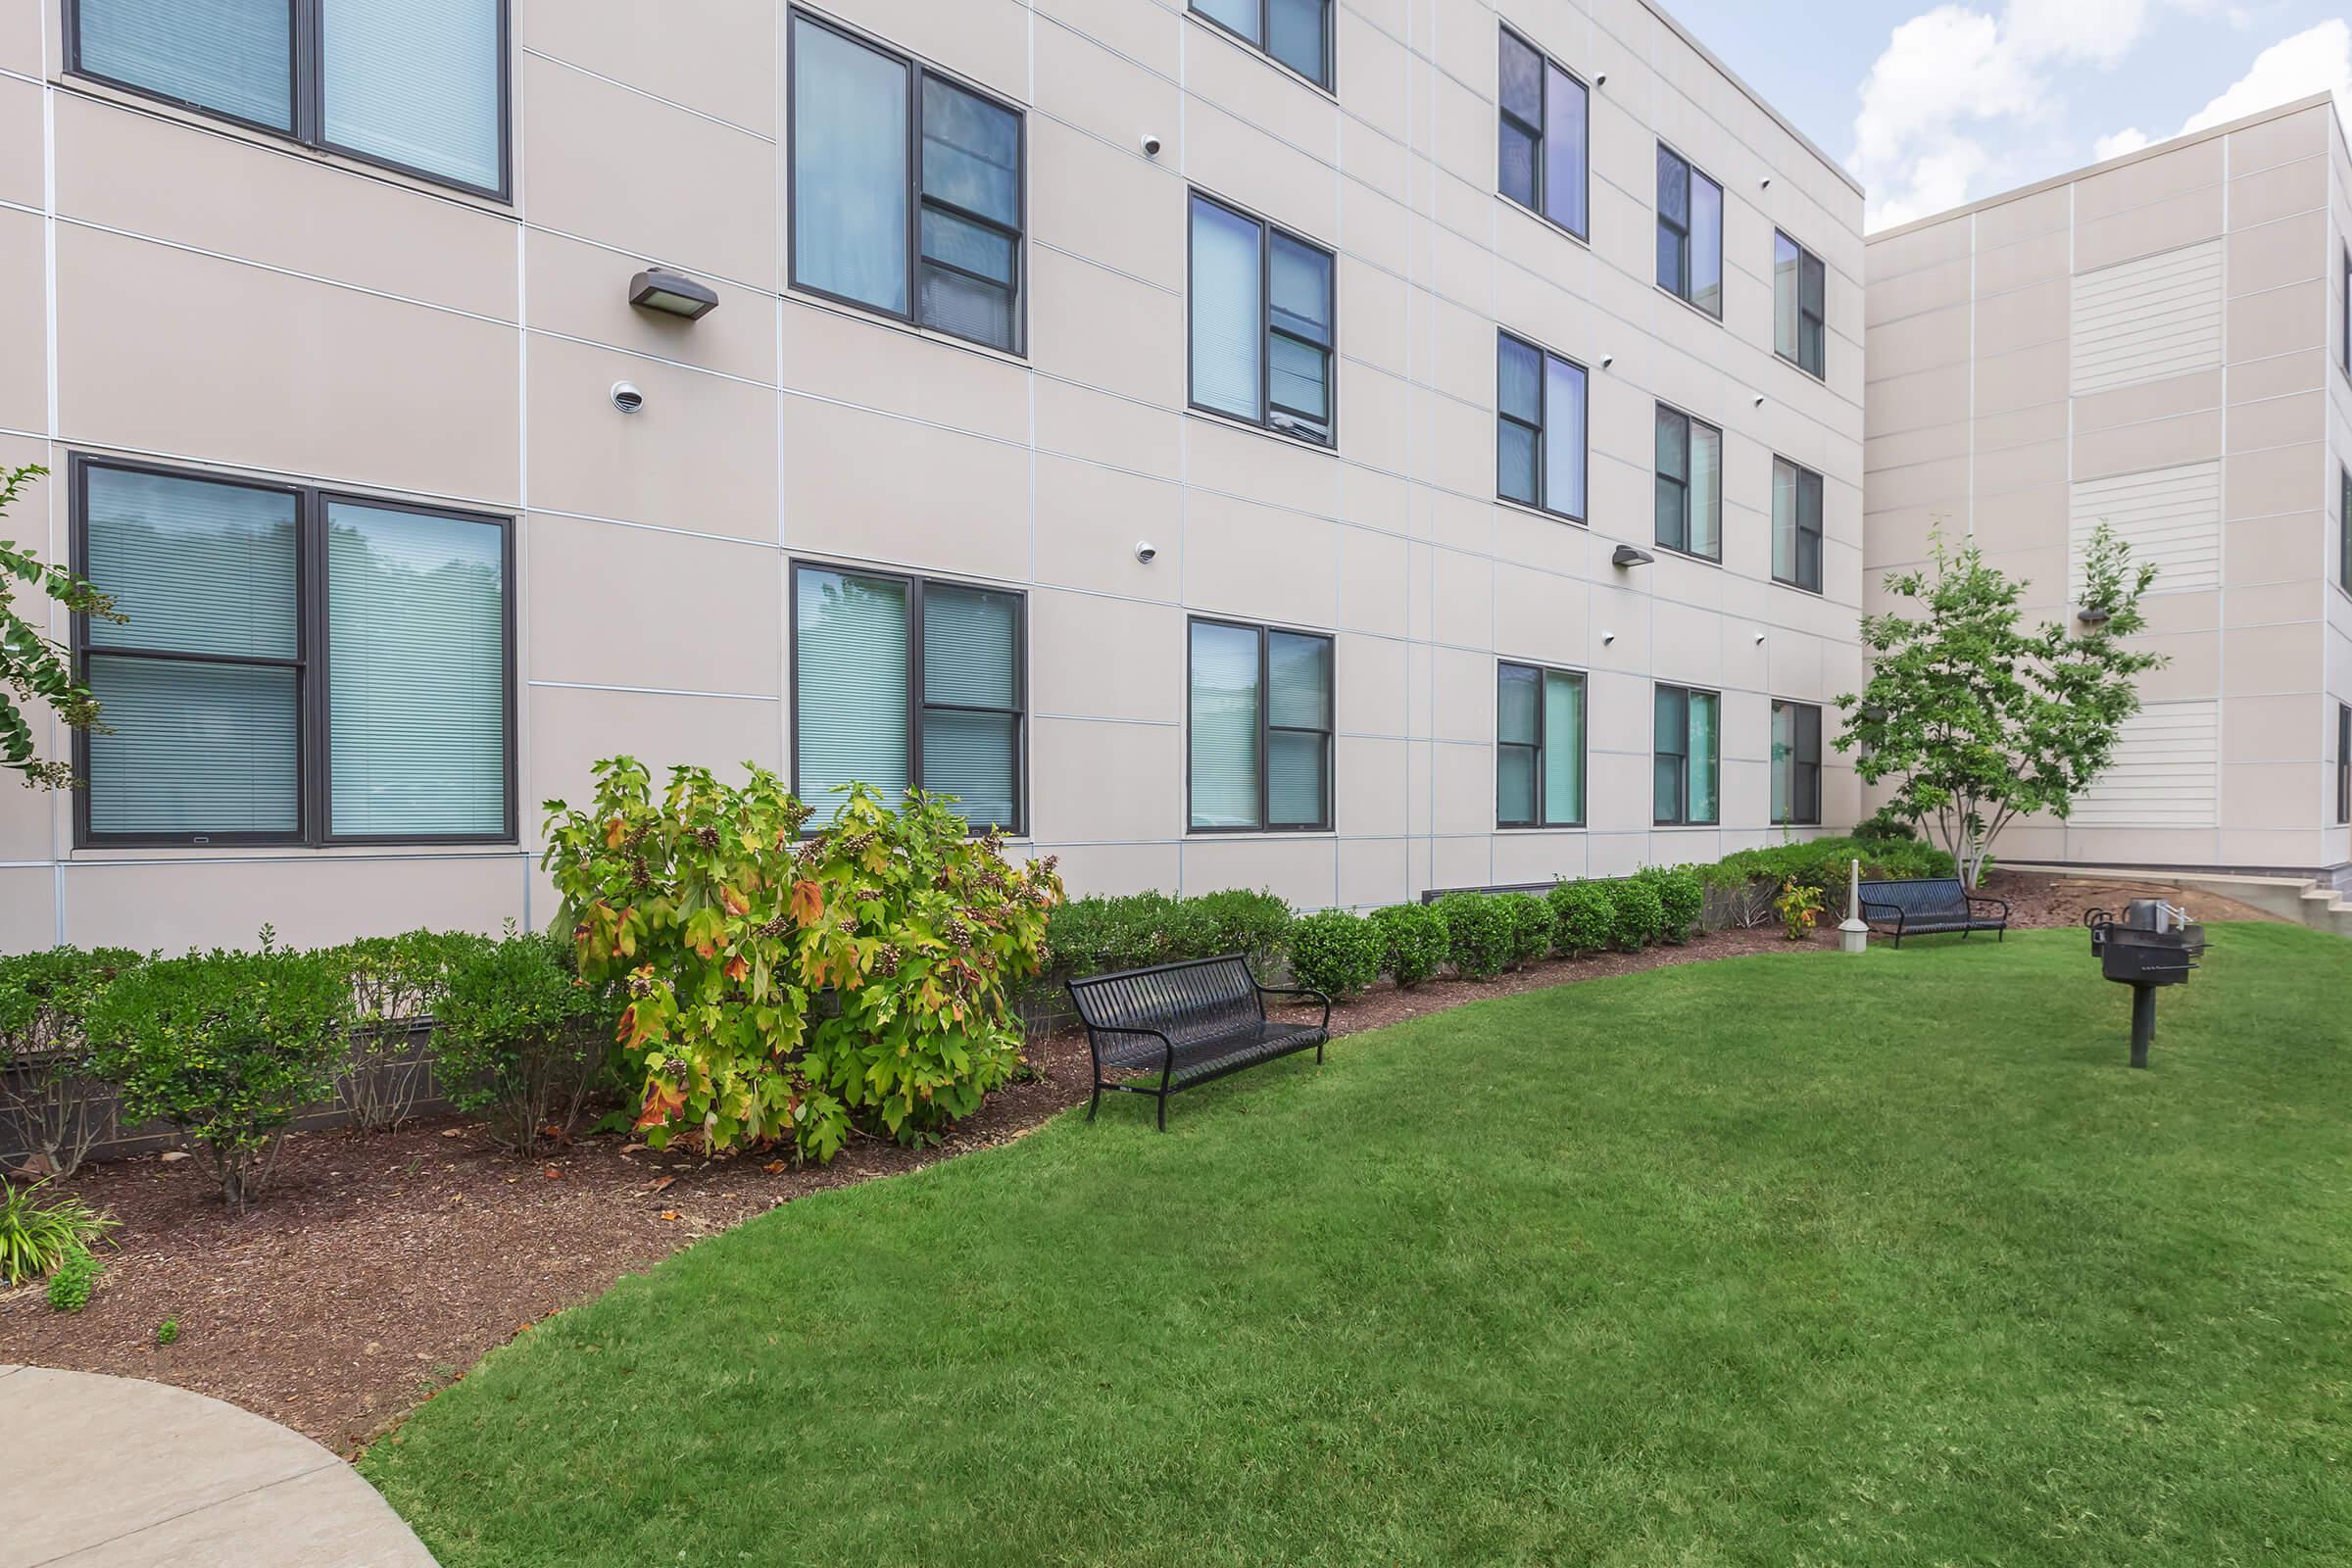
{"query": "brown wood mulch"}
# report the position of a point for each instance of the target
(377, 1268)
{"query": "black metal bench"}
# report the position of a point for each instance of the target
(1928, 906)
(1161, 1030)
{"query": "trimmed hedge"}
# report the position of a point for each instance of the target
(1099, 934)
(1821, 863)
(1334, 952)
(1531, 928)
(1478, 934)
(1681, 899)
(1584, 919)
(1412, 943)
(1640, 919)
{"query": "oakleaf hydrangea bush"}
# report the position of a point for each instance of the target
(790, 989)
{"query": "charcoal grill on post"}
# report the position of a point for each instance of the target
(2154, 944)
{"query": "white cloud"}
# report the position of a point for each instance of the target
(2129, 139)
(2315, 60)
(1949, 74)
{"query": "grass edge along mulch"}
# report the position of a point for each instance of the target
(1717, 1264)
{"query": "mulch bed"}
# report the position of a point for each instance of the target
(377, 1268)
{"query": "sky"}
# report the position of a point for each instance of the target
(1934, 106)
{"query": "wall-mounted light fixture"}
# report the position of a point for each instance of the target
(1607, 360)
(1759, 400)
(1765, 183)
(1601, 80)
(1628, 556)
(673, 294)
(1759, 639)
(2094, 615)
(1145, 551)
(1607, 637)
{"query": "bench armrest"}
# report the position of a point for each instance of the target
(1886, 911)
(1167, 1047)
(1298, 991)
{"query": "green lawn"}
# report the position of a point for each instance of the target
(1776, 1260)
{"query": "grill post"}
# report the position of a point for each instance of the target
(2143, 1023)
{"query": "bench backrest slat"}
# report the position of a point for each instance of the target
(1191, 1001)
(1930, 895)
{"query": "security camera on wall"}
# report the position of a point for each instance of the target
(1150, 145)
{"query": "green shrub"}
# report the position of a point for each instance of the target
(1640, 917)
(1821, 864)
(1532, 928)
(36, 1237)
(45, 1081)
(1412, 943)
(1237, 920)
(76, 1277)
(1478, 934)
(168, 1330)
(1885, 826)
(1099, 934)
(227, 1047)
(798, 988)
(1584, 920)
(1334, 952)
(522, 1039)
(396, 984)
(1681, 896)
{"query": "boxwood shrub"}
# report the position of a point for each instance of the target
(1412, 943)
(1336, 952)
(1099, 934)
(1682, 897)
(1478, 934)
(1640, 918)
(1531, 928)
(1584, 919)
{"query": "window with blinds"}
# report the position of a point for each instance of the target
(1686, 757)
(1799, 305)
(905, 684)
(1796, 763)
(418, 85)
(1260, 729)
(1539, 747)
(297, 667)
(1538, 429)
(1795, 525)
(1262, 327)
(1542, 160)
(1689, 233)
(876, 138)
(1689, 485)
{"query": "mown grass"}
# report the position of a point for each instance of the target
(1777, 1260)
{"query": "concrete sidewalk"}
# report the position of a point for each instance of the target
(99, 1472)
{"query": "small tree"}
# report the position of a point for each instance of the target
(33, 666)
(1978, 721)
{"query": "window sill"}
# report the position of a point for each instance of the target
(1798, 587)
(1583, 241)
(1257, 835)
(103, 853)
(835, 304)
(1263, 58)
(1575, 827)
(1689, 555)
(1686, 827)
(1538, 512)
(98, 90)
(1234, 421)
(1699, 311)
(1822, 377)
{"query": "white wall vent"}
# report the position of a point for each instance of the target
(2145, 319)
(2166, 771)
(2170, 517)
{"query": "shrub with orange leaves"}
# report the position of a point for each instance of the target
(787, 989)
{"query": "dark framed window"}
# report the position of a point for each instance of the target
(2343, 529)
(1296, 33)
(1539, 747)
(1799, 305)
(299, 666)
(2346, 344)
(1263, 325)
(1689, 485)
(2343, 762)
(420, 86)
(1540, 429)
(1689, 233)
(1259, 741)
(1543, 161)
(1686, 757)
(906, 190)
(1795, 525)
(1796, 763)
(909, 683)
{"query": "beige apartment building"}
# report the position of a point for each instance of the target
(2159, 342)
(1345, 448)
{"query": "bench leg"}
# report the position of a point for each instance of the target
(1319, 1044)
(1095, 1104)
(1163, 1110)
